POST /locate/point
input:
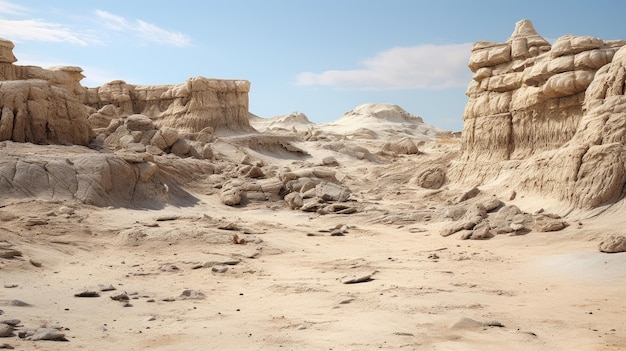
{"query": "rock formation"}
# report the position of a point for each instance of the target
(126, 127)
(40, 106)
(552, 113)
(198, 105)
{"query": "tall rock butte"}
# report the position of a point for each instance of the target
(550, 119)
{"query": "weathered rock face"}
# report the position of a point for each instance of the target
(556, 116)
(198, 105)
(41, 105)
(590, 170)
(38, 112)
(86, 176)
(525, 97)
(131, 125)
(6, 52)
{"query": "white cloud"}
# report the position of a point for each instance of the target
(145, 30)
(11, 9)
(424, 66)
(40, 30)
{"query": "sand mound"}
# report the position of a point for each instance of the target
(386, 120)
(293, 122)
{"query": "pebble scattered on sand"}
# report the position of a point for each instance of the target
(87, 293)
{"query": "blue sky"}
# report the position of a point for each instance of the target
(321, 57)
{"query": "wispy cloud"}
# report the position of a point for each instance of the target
(416, 67)
(40, 30)
(11, 9)
(145, 30)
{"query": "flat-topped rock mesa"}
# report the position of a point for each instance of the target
(51, 106)
(541, 111)
(197, 105)
(39, 105)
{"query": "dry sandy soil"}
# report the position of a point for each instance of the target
(282, 287)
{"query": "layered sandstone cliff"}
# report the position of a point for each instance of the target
(39, 105)
(51, 106)
(127, 127)
(199, 104)
(552, 114)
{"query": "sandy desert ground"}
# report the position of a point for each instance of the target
(168, 217)
(182, 283)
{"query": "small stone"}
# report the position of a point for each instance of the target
(65, 210)
(469, 323)
(330, 161)
(192, 295)
(229, 226)
(87, 293)
(356, 278)
(9, 253)
(167, 218)
(33, 221)
(6, 347)
(120, 297)
(219, 269)
(6, 331)
(16, 303)
(104, 287)
(42, 334)
(11, 322)
(34, 263)
(9, 286)
(512, 195)
(169, 268)
(517, 226)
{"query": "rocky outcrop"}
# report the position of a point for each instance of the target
(130, 125)
(590, 170)
(549, 117)
(41, 105)
(85, 176)
(198, 105)
(526, 96)
(485, 219)
(39, 112)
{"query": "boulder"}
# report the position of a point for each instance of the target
(332, 192)
(403, 146)
(294, 200)
(431, 178)
(613, 244)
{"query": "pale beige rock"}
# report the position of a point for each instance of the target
(613, 244)
(197, 105)
(36, 111)
(431, 178)
(294, 200)
(403, 146)
(180, 148)
(6, 51)
(553, 125)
